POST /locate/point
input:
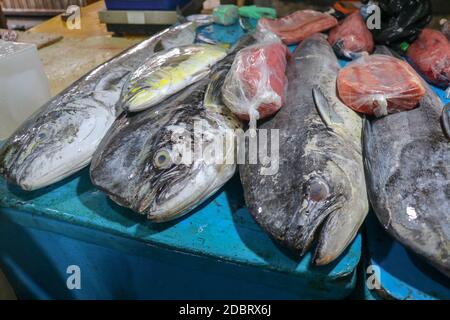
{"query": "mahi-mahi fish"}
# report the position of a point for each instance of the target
(62, 136)
(407, 161)
(319, 191)
(446, 119)
(167, 73)
(139, 164)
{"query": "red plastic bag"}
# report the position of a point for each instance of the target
(298, 25)
(351, 37)
(255, 87)
(379, 85)
(430, 54)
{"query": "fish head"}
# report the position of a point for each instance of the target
(181, 170)
(59, 143)
(322, 193)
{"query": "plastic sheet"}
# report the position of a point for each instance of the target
(430, 54)
(401, 20)
(379, 85)
(351, 37)
(297, 26)
(256, 84)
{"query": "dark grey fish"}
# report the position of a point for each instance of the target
(407, 161)
(319, 190)
(62, 136)
(149, 161)
(446, 119)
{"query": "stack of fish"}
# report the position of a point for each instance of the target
(136, 117)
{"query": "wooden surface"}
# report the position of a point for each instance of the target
(80, 50)
(38, 38)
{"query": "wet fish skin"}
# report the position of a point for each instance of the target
(319, 191)
(167, 73)
(124, 164)
(446, 120)
(60, 138)
(407, 158)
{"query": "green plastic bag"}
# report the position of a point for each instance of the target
(226, 14)
(257, 12)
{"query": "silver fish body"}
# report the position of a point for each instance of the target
(319, 191)
(139, 164)
(61, 137)
(407, 160)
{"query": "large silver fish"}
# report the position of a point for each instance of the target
(446, 119)
(319, 191)
(62, 136)
(140, 162)
(407, 160)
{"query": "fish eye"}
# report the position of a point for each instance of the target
(162, 159)
(318, 190)
(42, 136)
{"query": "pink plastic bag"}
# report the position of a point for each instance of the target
(430, 54)
(379, 85)
(256, 85)
(351, 37)
(298, 25)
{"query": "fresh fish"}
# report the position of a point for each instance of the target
(167, 73)
(446, 119)
(138, 163)
(62, 136)
(319, 190)
(407, 161)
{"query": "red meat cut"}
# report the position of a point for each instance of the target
(298, 25)
(351, 37)
(430, 54)
(379, 85)
(256, 84)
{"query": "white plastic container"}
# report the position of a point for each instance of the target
(23, 85)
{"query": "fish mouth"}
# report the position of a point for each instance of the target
(306, 223)
(195, 191)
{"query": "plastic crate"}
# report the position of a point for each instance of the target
(144, 4)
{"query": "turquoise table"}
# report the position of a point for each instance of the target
(215, 252)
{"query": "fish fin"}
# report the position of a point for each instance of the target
(446, 120)
(213, 94)
(329, 116)
(158, 46)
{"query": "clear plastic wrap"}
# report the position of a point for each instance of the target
(297, 26)
(351, 37)
(256, 85)
(430, 55)
(379, 84)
